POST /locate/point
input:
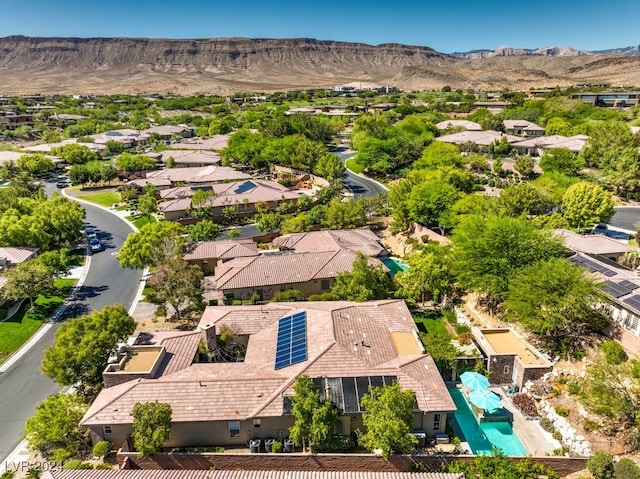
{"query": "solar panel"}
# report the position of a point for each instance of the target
(633, 301)
(592, 266)
(628, 284)
(244, 187)
(615, 289)
(291, 345)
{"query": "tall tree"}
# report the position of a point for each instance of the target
(388, 420)
(151, 426)
(558, 302)
(561, 160)
(585, 204)
(363, 283)
(147, 204)
(330, 166)
(155, 243)
(489, 250)
(54, 430)
(83, 346)
(179, 284)
(35, 163)
(314, 420)
(344, 214)
(204, 230)
(429, 272)
(27, 280)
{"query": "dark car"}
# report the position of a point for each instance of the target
(95, 245)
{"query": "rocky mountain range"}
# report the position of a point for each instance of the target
(228, 65)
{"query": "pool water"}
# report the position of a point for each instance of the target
(483, 437)
(395, 265)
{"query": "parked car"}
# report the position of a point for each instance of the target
(63, 184)
(95, 245)
(90, 232)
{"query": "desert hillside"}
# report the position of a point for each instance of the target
(227, 65)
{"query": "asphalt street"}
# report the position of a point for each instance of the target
(626, 217)
(356, 184)
(23, 386)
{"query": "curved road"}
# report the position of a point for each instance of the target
(358, 185)
(626, 218)
(23, 386)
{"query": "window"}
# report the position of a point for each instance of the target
(106, 430)
(324, 284)
(256, 424)
(506, 370)
(234, 429)
(436, 421)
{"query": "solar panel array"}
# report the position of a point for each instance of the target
(291, 347)
(633, 301)
(617, 290)
(244, 187)
(592, 266)
(346, 392)
(629, 285)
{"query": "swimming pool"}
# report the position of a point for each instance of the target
(395, 265)
(483, 437)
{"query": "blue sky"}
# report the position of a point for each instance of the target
(447, 25)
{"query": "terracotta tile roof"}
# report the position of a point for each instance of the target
(591, 244)
(573, 143)
(222, 249)
(240, 192)
(17, 254)
(180, 350)
(274, 269)
(199, 174)
(216, 142)
(175, 192)
(357, 240)
(478, 137)
(159, 182)
(240, 474)
(191, 156)
(466, 124)
(336, 332)
(180, 204)
(521, 125)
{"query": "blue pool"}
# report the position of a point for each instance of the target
(483, 437)
(395, 265)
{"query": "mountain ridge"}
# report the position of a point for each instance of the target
(237, 64)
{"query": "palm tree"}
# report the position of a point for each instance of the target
(631, 259)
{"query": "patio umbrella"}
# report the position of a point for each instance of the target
(474, 380)
(485, 399)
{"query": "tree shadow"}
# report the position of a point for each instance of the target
(86, 292)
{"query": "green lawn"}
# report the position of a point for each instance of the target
(432, 323)
(354, 165)
(104, 199)
(141, 221)
(17, 330)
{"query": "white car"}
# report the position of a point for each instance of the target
(95, 245)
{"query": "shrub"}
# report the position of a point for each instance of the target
(60, 455)
(72, 464)
(424, 239)
(625, 468)
(102, 448)
(288, 295)
(337, 443)
(547, 424)
(557, 435)
(465, 338)
(322, 297)
(104, 466)
(556, 391)
(462, 328)
(560, 451)
(579, 355)
(573, 387)
(561, 411)
(450, 316)
(613, 352)
(600, 465)
(276, 447)
(213, 302)
(7, 475)
(589, 425)
(85, 465)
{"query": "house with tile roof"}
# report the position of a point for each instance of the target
(344, 347)
(13, 255)
(480, 138)
(207, 254)
(190, 158)
(464, 124)
(594, 244)
(265, 275)
(361, 240)
(241, 195)
(523, 128)
(537, 146)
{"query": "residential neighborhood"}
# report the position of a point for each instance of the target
(375, 275)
